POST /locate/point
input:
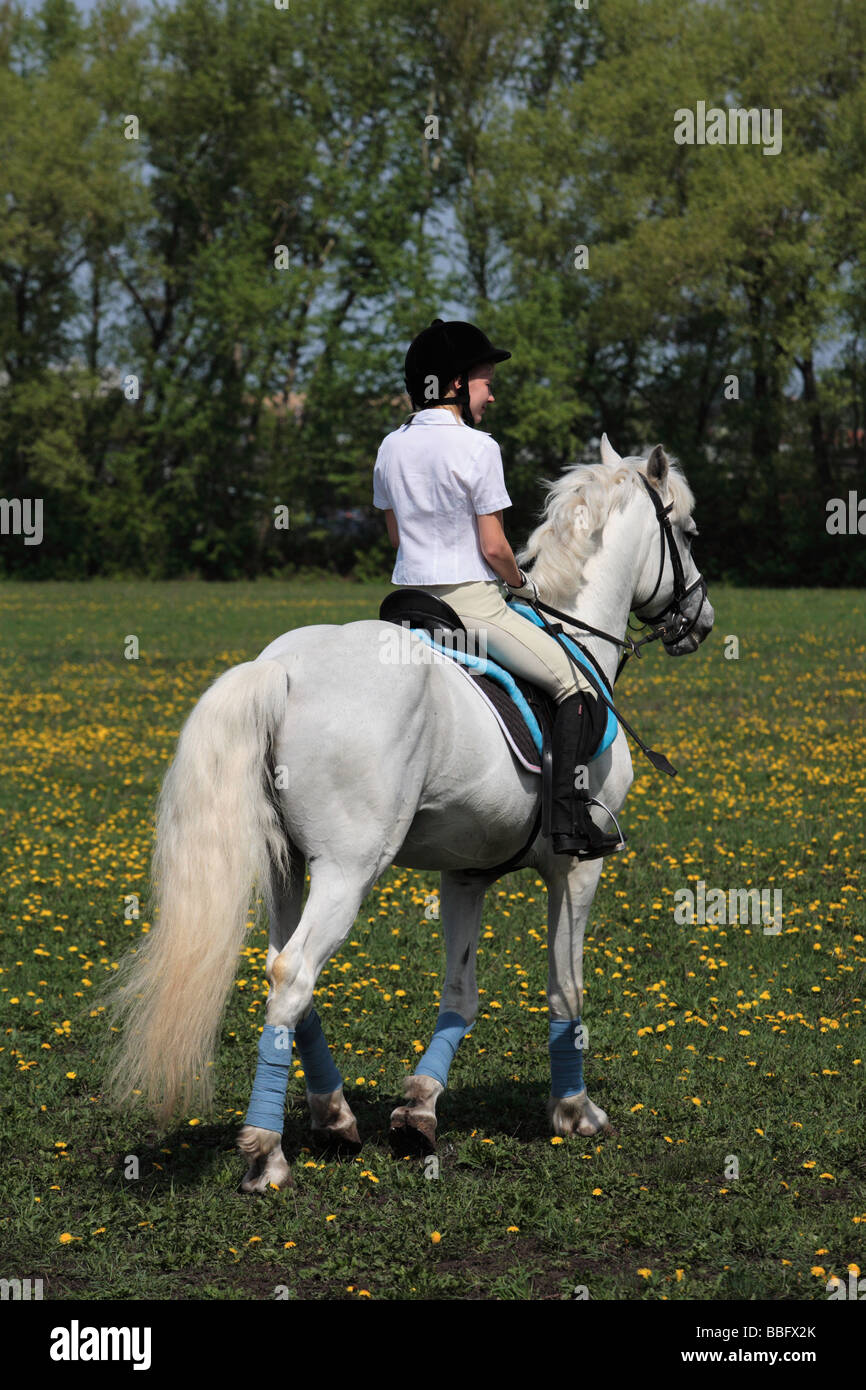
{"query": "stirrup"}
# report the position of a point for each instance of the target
(593, 844)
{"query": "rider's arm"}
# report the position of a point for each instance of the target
(495, 548)
(391, 523)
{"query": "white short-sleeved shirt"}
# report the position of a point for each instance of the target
(437, 474)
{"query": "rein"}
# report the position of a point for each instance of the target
(673, 629)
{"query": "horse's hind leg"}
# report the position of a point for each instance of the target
(310, 939)
(333, 1124)
(413, 1124)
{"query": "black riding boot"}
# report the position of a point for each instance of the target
(577, 729)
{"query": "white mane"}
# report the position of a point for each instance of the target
(575, 510)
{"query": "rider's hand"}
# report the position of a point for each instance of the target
(527, 589)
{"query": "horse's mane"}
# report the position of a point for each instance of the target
(565, 537)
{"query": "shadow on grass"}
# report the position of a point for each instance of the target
(516, 1111)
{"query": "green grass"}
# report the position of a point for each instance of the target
(766, 1032)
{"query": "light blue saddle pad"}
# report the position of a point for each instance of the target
(612, 725)
(486, 667)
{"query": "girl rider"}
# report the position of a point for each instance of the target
(441, 485)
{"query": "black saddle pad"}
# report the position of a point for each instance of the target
(541, 704)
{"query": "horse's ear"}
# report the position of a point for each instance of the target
(657, 465)
(609, 457)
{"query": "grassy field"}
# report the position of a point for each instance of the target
(708, 1043)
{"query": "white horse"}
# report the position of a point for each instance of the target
(319, 754)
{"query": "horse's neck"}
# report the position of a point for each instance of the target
(604, 599)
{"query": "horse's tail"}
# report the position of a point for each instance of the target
(218, 833)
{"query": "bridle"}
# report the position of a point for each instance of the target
(678, 626)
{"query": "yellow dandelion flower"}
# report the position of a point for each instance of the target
(557, 1139)
(435, 1236)
(645, 1273)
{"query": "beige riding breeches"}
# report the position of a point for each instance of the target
(511, 641)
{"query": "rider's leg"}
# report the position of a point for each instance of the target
(577, 732)
(510, 639)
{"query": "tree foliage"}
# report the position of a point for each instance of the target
(222, 223)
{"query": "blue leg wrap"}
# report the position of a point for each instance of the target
(436, 1062)
(566, 1058)
(268, 1100)
(320, 1074)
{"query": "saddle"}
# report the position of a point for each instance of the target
(525, 711)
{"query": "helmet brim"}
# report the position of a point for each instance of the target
(497, 355)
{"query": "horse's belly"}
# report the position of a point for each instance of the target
(477, 824)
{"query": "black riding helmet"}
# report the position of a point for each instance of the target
(439, 354)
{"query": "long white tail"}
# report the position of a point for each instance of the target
(218, 835)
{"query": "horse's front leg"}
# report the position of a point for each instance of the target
(461, 901)
(571, 889)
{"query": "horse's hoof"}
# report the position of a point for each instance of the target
(267, 1163)
(576, 1115)
(338, 1141)
(412, 1138)
(260, 1176)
